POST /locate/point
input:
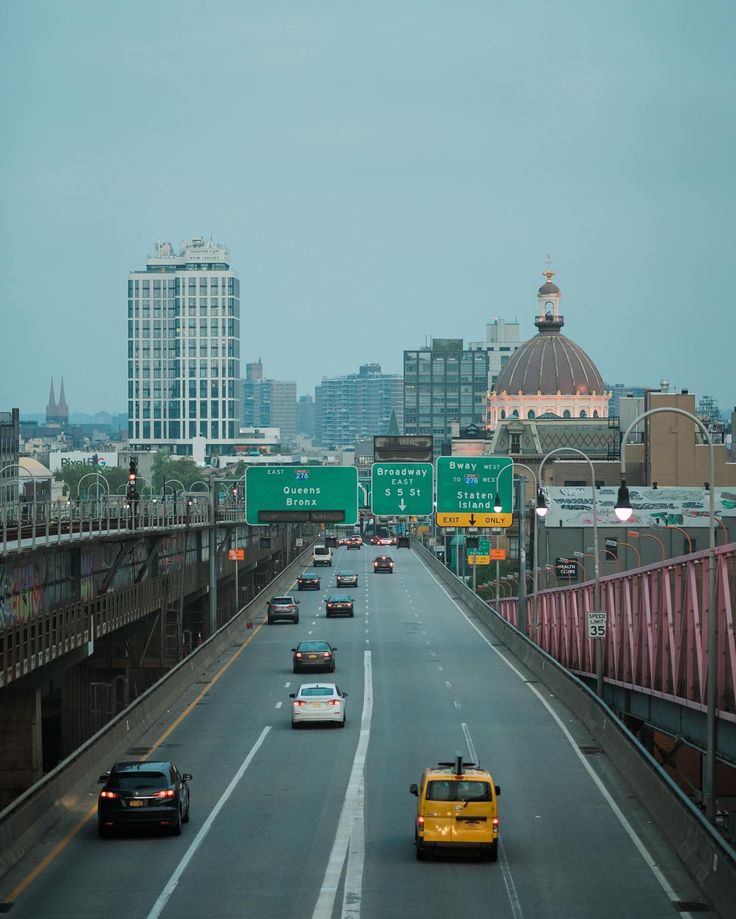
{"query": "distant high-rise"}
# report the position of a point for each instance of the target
(305, 417)
(502, 339)
(358, 406)
(269, 403)
(445, 389)
(184, 349)
(9, 454)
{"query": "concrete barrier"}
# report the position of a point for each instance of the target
(709, 858)
(67, 786)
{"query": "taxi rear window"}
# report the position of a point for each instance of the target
(317, 691)
(444, 790)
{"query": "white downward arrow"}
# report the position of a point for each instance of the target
(402, 505)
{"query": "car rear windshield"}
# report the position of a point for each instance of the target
(458, 791)
(282, 600)
(312, 646)
(317, 691)
(321, 550)
(133, 781)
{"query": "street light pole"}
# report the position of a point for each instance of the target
(541, 512)
(623, 512)
(535, 549)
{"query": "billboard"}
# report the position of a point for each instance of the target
(81, 459)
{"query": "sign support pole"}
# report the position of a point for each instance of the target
(522, 555)
(237, 565)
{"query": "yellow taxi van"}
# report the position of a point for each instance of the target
(457, 810)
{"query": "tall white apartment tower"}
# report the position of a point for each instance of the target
(184, 351)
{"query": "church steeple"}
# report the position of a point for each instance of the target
(51, 405)
(62, 409)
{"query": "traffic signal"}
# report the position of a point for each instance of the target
(132, 476)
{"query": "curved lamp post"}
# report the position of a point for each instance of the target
(542, 512)
(624, 510)
(97, 476)
(535, 555)
(635, 534)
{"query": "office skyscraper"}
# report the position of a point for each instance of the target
(444, 385)
(184, 350)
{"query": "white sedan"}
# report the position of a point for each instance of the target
(318, 702)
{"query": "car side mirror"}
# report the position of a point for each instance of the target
(103, 778)
(292, 695)
(293, 650)
(298, 602)
(414, 790)
(187, 776)
(498, 790)
(344, 695)
(334, 649)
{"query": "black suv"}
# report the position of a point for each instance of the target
(283, 608)
(143, 793)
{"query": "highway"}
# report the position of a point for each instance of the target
(319, 822)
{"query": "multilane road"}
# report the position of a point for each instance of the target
(319, 822)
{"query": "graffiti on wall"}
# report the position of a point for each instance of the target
(653, 507)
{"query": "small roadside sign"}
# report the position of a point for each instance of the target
(597, 620)
(498, 555)
(236, 555)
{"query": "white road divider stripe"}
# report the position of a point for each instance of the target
(346, 825)
(205, 828)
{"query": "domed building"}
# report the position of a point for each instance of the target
(549, 375)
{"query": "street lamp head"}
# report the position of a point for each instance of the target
(623, 508)
(497, 506)
(541, 508)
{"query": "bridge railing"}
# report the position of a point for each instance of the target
(657, 634)
(26, 525)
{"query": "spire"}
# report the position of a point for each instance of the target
(63, 409)
(51, 405)
(548, 318)
(393, 425)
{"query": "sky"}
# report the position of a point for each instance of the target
(382, 174)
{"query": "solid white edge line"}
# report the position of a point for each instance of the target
(631, 832)
(353, 796)
(205, 828)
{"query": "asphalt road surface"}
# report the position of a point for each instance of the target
(318, 822)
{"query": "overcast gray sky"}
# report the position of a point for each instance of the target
(381, 172)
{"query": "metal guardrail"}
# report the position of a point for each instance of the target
(656, 639)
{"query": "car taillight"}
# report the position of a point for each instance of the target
(326, 654)
(298, 654)
(299, 702)
(420, 821)
(495, 824)
(334, 701)
(109, 794)
(166, 793)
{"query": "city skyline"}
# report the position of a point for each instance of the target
(369, 209)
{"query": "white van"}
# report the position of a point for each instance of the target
(322, 555)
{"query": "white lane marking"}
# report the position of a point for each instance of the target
(440, 668)
(505, 869)
(367, 641)
(630, 831)
(205, 828)
(279, 704)
(352, 894)
(448, 684)
(350, 807)
(287, 684)
(456, 703)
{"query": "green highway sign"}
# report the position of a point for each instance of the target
(402, 489)
(323, 494)
(467, 487)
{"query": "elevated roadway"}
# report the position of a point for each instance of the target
(319, 822)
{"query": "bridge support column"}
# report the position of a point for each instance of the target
(21, 749)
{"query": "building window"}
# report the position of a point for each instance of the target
(530, 414)
(515, 445)
(566, 413)
(583, 414)
(503, 413)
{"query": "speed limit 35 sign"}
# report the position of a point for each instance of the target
(597, 623)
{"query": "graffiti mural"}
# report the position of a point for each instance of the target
(653, 507)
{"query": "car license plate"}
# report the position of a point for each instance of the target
(136, 803)
(312, 657)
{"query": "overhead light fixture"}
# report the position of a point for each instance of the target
(623, 507)
(541, 509)
(497, 506)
